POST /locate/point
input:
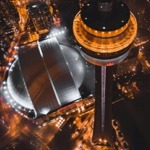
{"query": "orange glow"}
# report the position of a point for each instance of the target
(104, 33)
(105, 45)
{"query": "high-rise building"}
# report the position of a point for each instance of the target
(8, 26)
(105, 29)
(40, 16)
(10, 15)
(5, 39)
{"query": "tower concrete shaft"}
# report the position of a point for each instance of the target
(103, 100)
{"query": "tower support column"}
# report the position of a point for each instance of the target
(103, 101)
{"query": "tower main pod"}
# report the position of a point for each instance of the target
(105, 29)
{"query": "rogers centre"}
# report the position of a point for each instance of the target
(46, 76)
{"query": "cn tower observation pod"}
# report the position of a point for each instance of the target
(105, 30)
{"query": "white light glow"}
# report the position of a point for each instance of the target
(15, 56)
(9, 63)
(34, 6)
(4, 83)
(55, 33)
(39, 48)
(25, 103)
(45, 111)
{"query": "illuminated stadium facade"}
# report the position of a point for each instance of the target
(45, 77)
(105, 30)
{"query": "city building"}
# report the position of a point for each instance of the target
(41, 17)
(10, 16)
(4, 40)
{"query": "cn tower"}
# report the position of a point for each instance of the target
(105, 29)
